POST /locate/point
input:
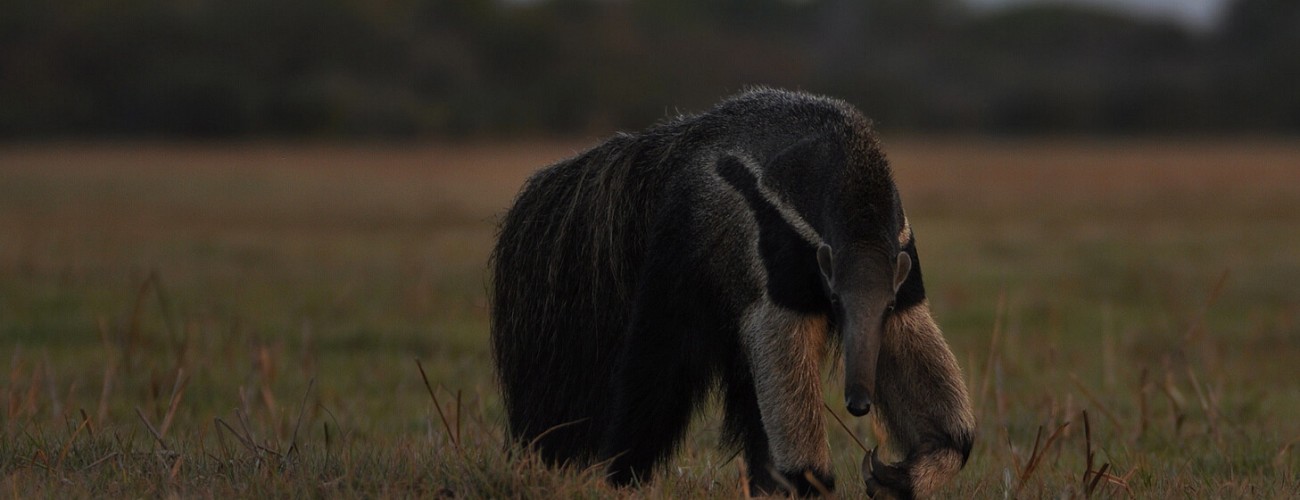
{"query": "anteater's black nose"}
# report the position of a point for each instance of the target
(858, 405)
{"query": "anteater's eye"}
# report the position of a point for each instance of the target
(889, 309)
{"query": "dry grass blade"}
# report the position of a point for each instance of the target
(533, 443)
(1122, 482)
(110, 369)
(1211, 410)
(744, 478)
(993, 351)
(1176, 402)
(152, 431)
(302, 408)
(131, 339)
(1280, 459)
(432, 395)
(1015, 457)
(85, 422)
(90, 426)
(40, 460)
(817, 485)
(1090, 486)
(242, 417)
(1096, 479)
(1038, 437)
(96, 463)
(591, 469)
(178, 390)
(1036, 457)
(176, 468)
(1087, 448)
(846, 428)
(247, 442)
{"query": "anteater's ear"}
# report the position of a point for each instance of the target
(901, 270)
(826, 262)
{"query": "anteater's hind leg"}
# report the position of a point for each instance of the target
(666, 370)
(652, 409)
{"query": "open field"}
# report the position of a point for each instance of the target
(246, 320)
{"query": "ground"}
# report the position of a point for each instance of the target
(262, 319)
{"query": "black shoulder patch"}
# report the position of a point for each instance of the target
(912, 292)
(793, 280)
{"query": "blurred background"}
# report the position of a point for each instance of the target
(475, 68)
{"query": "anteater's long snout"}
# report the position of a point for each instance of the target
(862, 343)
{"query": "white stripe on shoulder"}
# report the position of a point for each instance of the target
(788, 213)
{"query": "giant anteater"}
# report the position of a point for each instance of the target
(733, 250)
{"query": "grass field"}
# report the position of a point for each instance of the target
(246, 320)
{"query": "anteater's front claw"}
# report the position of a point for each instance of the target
(885, 481)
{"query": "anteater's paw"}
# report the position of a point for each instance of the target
(885, 481)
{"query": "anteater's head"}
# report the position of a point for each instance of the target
(897, 364)
(861, 284)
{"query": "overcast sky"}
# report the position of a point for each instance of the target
(1196, 13)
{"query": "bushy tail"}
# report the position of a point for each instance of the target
(563, 268)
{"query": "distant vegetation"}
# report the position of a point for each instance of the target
(399, 68)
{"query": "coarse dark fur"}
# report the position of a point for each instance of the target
(631, 280)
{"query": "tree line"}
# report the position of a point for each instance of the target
(402, 68)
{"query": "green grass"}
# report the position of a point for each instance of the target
(262, 308)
